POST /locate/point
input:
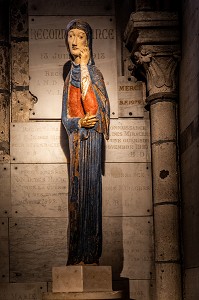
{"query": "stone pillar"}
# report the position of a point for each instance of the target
(152, 39)
(4, 81)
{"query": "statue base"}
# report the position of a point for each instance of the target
(82, 282)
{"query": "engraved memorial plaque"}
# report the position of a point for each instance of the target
(5, 203)
(39, 190)
(4, 254)
(38, 142)
(137, 247)
(67, 7)
(141, 289)
(48, 55)
(130, 97)
(129, 141)
(127, 189)
(22, 291)
(36, 244)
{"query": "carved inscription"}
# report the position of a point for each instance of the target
(36, 244)
(130, 97)
(67, 7)
(127, 189)
(129, 141)
(4, 254)
(137, 247)
(39, 142)
(48, 57)
(5, 203)
(22, 291)
(39, 190)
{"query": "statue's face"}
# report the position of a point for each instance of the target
(77, 40)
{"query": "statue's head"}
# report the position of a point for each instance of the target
(85, 32)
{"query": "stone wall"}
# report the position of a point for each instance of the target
(189, 148)
(34, 176)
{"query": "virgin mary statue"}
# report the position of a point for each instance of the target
(85, 116)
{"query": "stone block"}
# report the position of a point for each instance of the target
(5, 203)
(81, 279)
(22, 291)
(36, 244)
(165, 183)
(168, 281)
(20, 61)
(163, 121)
(4, 252)
(39, 190)
(83, 296)
(166, 222)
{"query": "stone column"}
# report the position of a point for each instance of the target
(4, 82)
(152, 39)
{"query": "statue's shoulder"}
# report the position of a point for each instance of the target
(95, 73)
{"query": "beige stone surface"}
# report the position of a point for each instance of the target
(20, 63)
(22, 105)
(130, 97)
(142, 289)
(38, 142)
(165, 177)
(129, 141)
(163, 121)
(128, 246)
(39, 190)
(85, 296)
(127, 189)
(82, 279)
(36, 245)
(22, 291)
(5, 203)
(166, 222)
(4, 251)
(168, 281)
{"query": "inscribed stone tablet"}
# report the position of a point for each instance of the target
(68, 7)
(5, 203)
(48, 55)
(137, 247)
(4, 254)
(129, 141)
(36, 244)
(141, 289)
(112, 252)
(39, 190)
(130, 97)
(38, 142)
(127, 189)
(22, 291)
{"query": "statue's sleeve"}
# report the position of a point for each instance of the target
(70, 124)
(103, 100)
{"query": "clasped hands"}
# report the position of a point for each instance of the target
(88, 121)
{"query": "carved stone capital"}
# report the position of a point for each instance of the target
(160, 69)
(153, 41)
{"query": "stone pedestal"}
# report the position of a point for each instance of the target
(82, 282)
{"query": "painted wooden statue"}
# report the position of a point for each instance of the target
(85, 116)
